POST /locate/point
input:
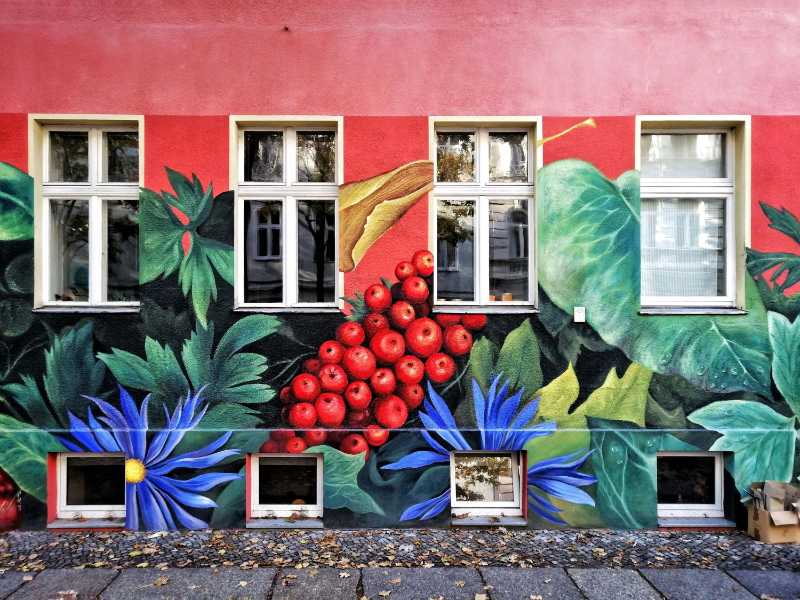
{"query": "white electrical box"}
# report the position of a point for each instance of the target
(579, 314)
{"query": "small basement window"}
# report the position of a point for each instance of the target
(690, 484)
(284, 487)
(485, 484)
(91, 486)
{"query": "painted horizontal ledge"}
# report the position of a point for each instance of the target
(86, 524)
(642, 430)
(488, 521)
(284, 524)
(288, 309)
(695, 522)
(666, 310)
(486, 310)
(93, 309)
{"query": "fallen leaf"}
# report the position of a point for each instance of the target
(161, 580)
(481, 597)
(242, 584)
(344, 574)
(385, 593)
(395, 581)
(460, 583)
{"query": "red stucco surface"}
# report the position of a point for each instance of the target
(609, 146)
(14, 140)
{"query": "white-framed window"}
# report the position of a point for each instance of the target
(88, 215)
(90, 485)
(694, 184)
(287, 183)
(690, 484)
(286, 485)
(482, 213)
(485, 483)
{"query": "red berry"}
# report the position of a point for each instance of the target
(457, 340)
(286, 395)
(415, 290)
(388, 346)
(378, 297)
(312, 365)
(331, 352)
(424, 337)
(409, 369)
(350, 333)
(374, 322)
(412, 394)
(358, 395)
(423, 309)
(270, 447)
(354, 443)
(359, 418)
(335, 436)
(305, 387)
(423, 262)
(404, 270)
(447, 319)
(315, 437)
(402, 314)
(359, 362)
(376, 435)
(391, 412)
(330, 409)
(332, 378)
(474, 322)
(440, 367)
(302, 415)
(383, 381)
(296, 445)
(280, 435)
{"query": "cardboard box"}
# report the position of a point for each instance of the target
(772, 513)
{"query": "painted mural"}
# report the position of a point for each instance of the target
(187, 387)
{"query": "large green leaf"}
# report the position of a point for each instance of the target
(230, 511)
(590, 256)
(624, 461)
(762, 441)
(785, 339)
(23, 455)
(518, 361)
(340, 472)
(16, 204)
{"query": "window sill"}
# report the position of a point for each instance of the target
(95, 308)
(87, 524)
(695, 523)
(485, 310)
(288, 309)
(488, 521)
(695, 310)
(284, 524)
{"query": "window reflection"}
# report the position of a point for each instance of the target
(683, 155)
(316, 251)
(69, 242)
(122, 156)
(316, 156)
(69, 156)
(508, 250)
(686, 479)
(263, 156)
(508, 157)
(284, 481)
(263, 251)
(456, 264)
(95, 480)
(484, 478)
(122, 235)
(455, 156)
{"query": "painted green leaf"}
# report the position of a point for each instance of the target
(763, 441)
(482, 358)
(589, 240)
(625, 467)
(229, 512)
(518, 360)
(23, 455)
(16, 204)
(785, 339)
(341, 488)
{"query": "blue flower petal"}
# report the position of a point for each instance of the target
(159, 497)
(479, 404)
(508, 409)
(433, 443)
(131, 507)
(185, 519)
(81, 432)
(564, 491)
(137, 429)
(105, 439)
(185, 498)
(548, 515)
(149, 509)
(202, 482)
(427, 508)
(451, 437)
(415, 460)
(202, 462)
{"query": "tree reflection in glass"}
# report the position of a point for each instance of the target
(455, 227)
(316, 156)
(508, 157)
(122, 156)
(484, 478)
(69, 156)
(122, 235)
(316, 251)
(455, 156)
(263, 156)
(69, 250)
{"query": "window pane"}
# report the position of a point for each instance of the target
(455, 156)
(484, 478)
(98, 480)
(263, 156)
(69, 156)
(508, 157)
(686, 480)
(122, 156)
(287, 481)
(683, 247)
(683, 155)
(69, 250)
(316, 251)
(122, 237)
(455, 228)
(263, 265)
(508, 250)
(316, 156)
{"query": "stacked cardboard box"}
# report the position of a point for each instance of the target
(773, 515)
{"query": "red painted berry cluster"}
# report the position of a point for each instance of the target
(371, 375)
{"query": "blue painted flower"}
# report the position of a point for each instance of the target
(151, 496)
(503, 426)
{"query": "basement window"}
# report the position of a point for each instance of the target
(690, 484)
(485, 484)
(285, 487)
(90, 486)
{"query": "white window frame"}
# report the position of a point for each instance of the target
(288, 192)
(95, 191)
(715, 510)
(508, 508)
(83, 511)
(482, 192)
(733, 189)
(265, 511)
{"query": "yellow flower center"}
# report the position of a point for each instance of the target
(134, 471)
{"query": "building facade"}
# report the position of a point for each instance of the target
(362, 265)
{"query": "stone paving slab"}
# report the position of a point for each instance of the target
(775, 584)
(197, 584)
(603, 584)
(9, 582)
(88, 583)
(509, 583)
(422, 584)
(695, 584)
(302, 584)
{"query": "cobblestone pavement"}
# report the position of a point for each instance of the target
(30, 551)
